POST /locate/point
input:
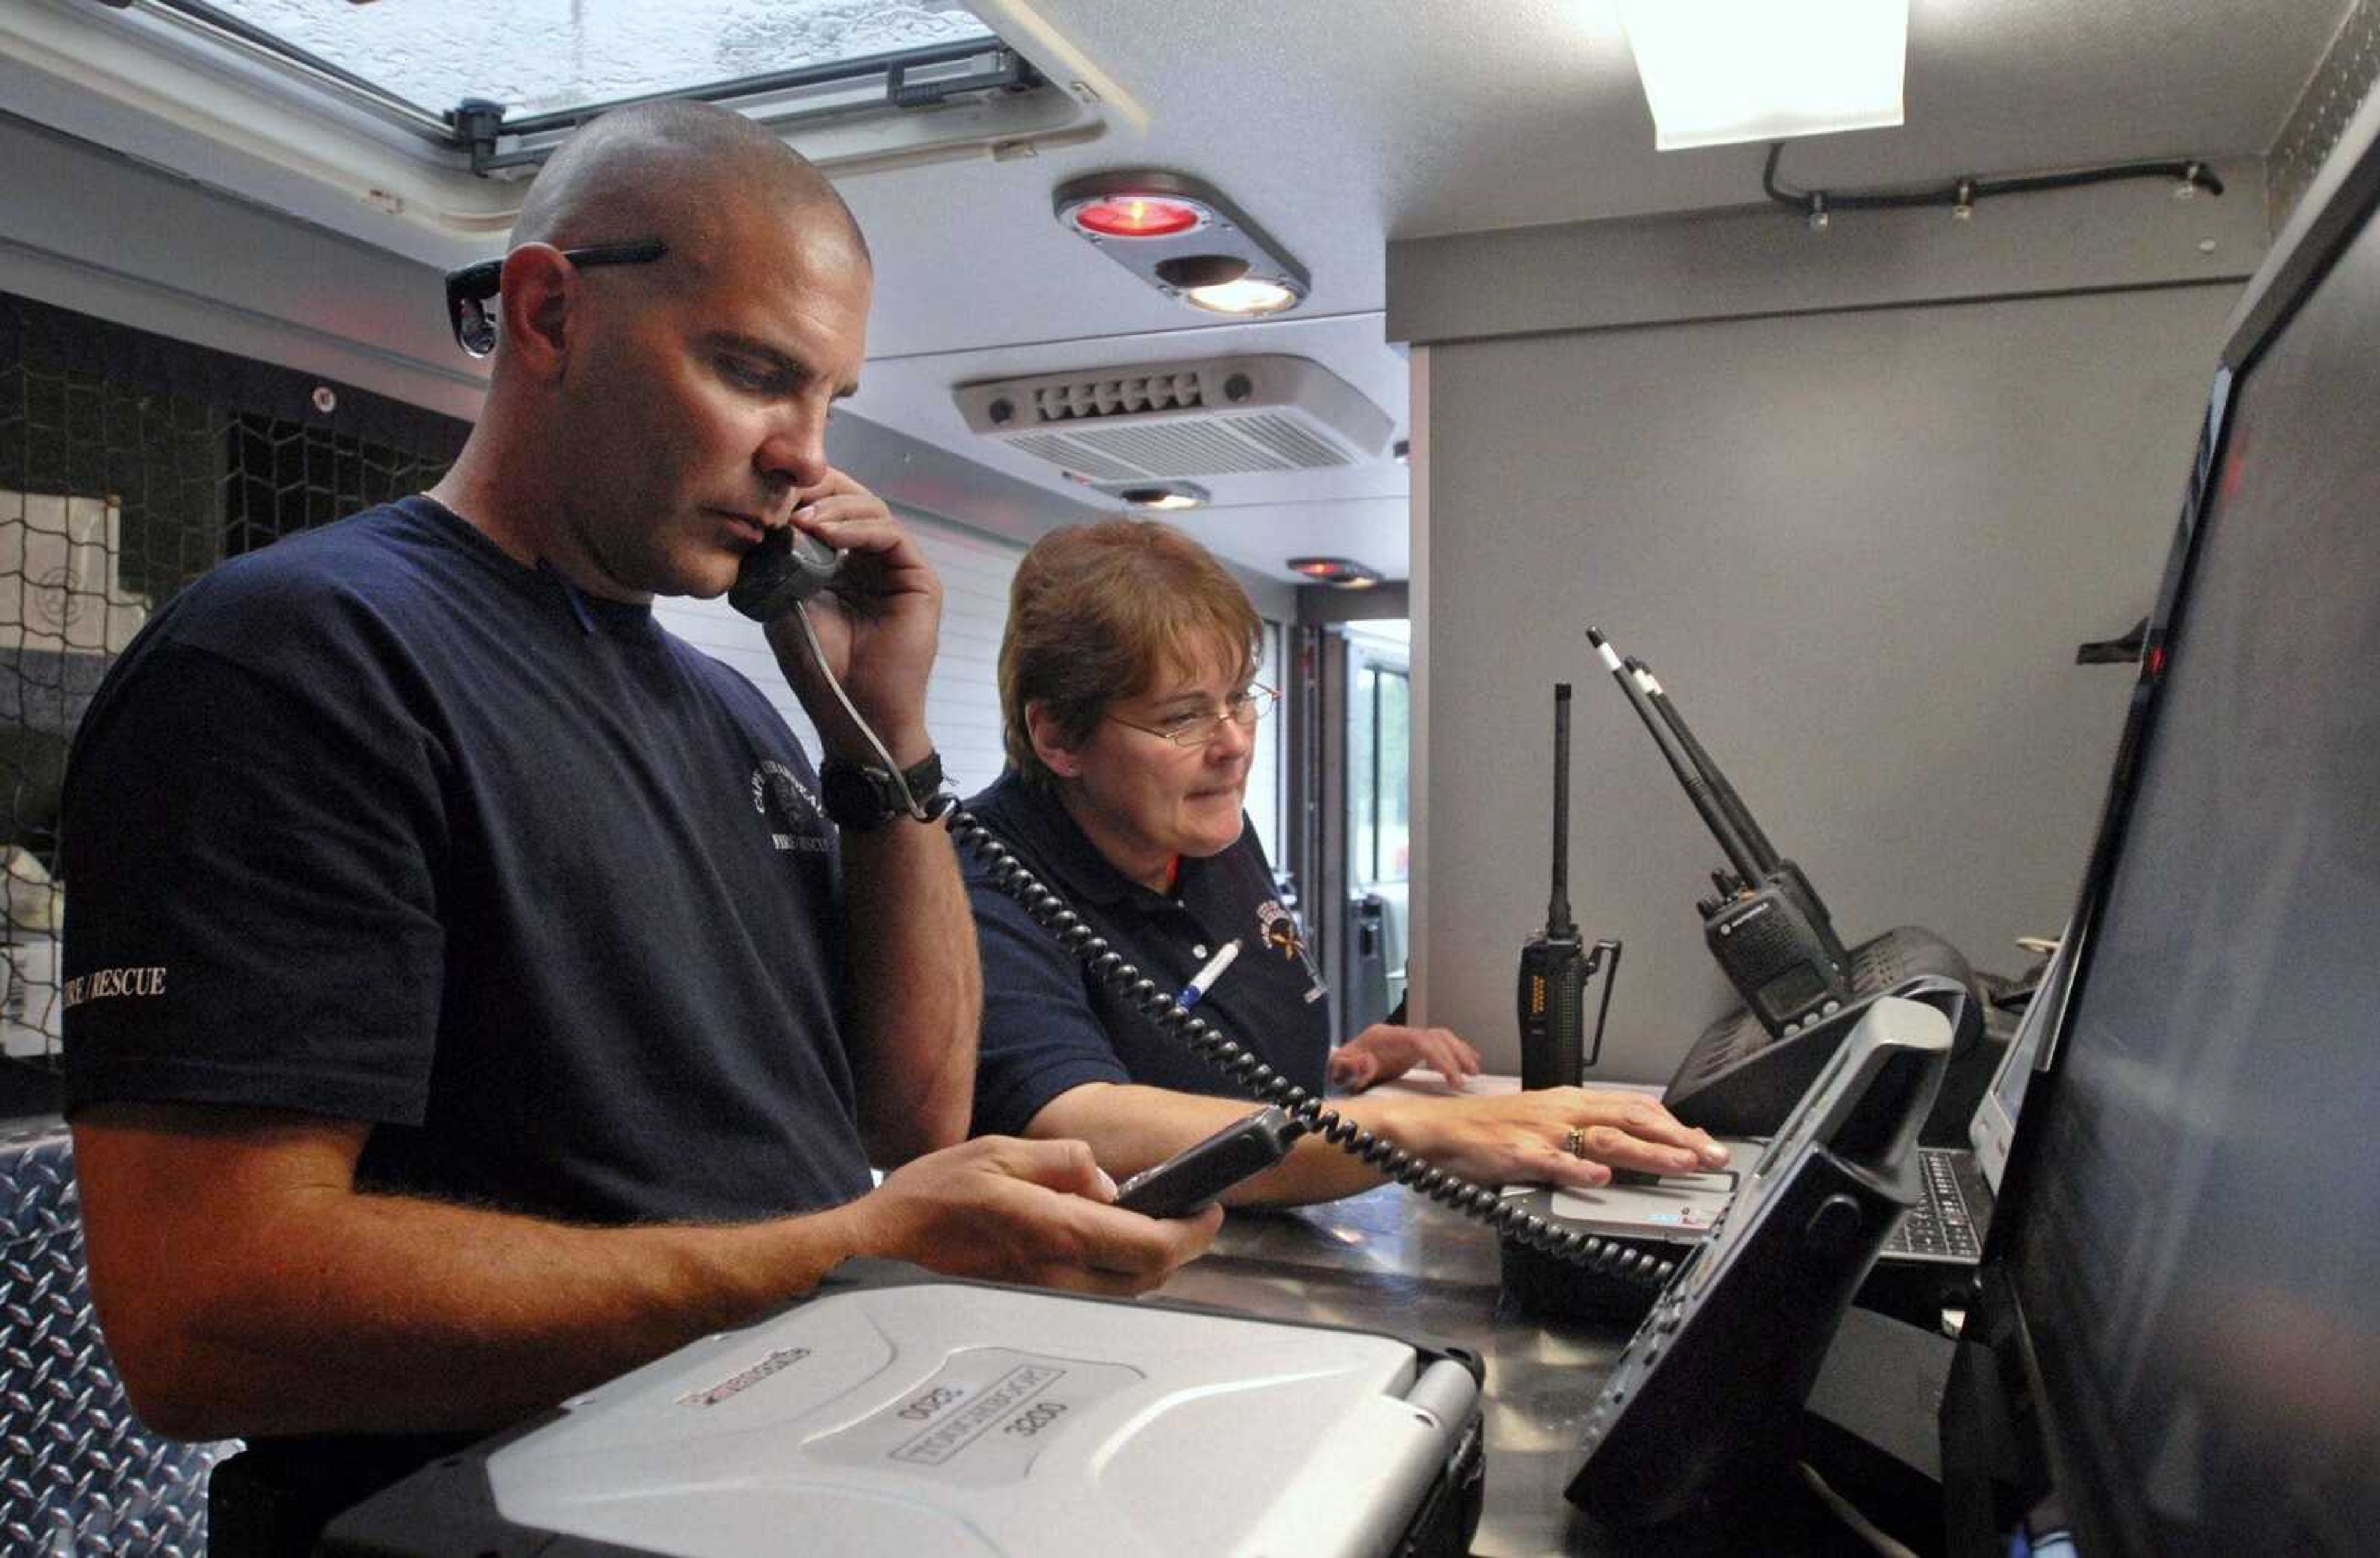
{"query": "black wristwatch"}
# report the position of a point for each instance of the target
(862, 796)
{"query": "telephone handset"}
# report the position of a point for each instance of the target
(789, 568)
(776, 576)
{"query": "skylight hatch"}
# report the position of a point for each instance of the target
(540, 58)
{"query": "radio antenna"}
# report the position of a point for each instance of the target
(1558, 921)
(1764, 854)
(1731, 843)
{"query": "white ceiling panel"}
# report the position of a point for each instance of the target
(1339, 125)
(1342, 124)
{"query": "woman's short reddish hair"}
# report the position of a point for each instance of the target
(1099, 611)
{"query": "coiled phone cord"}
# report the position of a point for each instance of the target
(1050, 911)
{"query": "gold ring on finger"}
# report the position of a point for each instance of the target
(1575, 1142)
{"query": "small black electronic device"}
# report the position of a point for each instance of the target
(1556, 962)
(1706, 1400)
(787, 568)
(1773, 955)
(1190, 1180)
(1765, 928)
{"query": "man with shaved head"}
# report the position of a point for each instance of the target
(468, 997)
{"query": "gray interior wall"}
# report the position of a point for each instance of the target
(1859, 547)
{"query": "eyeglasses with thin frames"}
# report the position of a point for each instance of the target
(469, 290)
(1196, 730)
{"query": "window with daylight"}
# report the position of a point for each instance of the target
(431, 54)
(1379, 754)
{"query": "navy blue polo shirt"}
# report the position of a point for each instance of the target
(1050, 1026)
(381, 824)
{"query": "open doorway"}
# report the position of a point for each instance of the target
(1380, 817)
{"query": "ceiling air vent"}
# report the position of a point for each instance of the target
(1230, 416)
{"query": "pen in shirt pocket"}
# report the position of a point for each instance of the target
(1203, 980)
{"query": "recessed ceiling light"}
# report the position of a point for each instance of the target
(1721, 71)
(1340, 573)
(1165, 496)
(1249, 295)
(1183, 238)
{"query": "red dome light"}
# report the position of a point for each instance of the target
(1138, 217)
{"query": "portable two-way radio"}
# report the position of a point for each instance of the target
(1556, 962)
(1765, 928)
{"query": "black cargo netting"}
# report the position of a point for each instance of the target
(130, 465)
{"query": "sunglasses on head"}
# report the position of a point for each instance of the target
(472, 288)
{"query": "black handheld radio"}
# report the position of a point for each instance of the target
(1556, 962)
(1784, 874)
(1765, 928)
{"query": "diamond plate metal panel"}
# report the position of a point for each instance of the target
(2340, 85)
(78, 1472)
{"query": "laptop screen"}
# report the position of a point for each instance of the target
(1994, 1124)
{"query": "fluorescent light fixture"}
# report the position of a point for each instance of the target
(1721, 71)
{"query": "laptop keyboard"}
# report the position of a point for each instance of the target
(1939, 1225)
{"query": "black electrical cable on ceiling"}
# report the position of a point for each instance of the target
(1966, 191)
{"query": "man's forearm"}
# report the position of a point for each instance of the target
(347, 1312)
(917, 992)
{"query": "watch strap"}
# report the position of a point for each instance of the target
(863, 797)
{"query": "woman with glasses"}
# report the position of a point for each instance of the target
(1130, 706)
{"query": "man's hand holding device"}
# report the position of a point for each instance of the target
(1014, 1211)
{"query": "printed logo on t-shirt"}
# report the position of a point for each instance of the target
(795, 820)
(103, 984)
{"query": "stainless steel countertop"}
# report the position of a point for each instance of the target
(1389, 1260)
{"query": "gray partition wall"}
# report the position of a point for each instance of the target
(1858, 526)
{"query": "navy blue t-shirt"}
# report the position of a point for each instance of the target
(1049, 1025)
(382, 824)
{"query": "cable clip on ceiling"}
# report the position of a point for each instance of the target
(1818, 206)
